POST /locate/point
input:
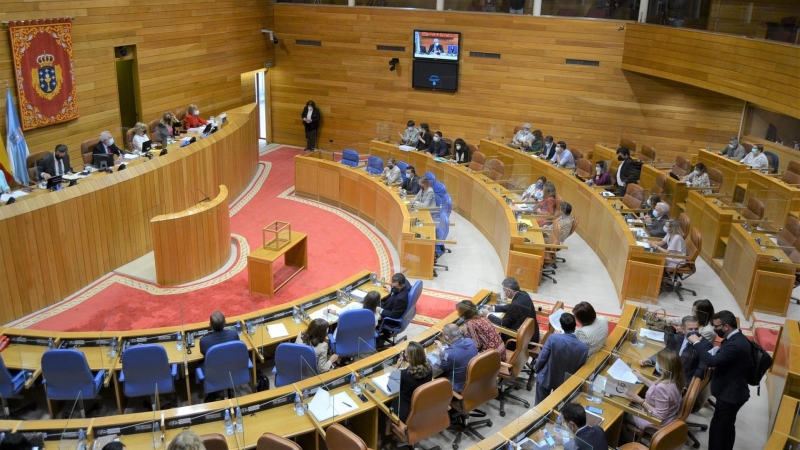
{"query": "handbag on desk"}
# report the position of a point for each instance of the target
(656, 320)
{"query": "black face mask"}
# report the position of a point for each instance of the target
(620, 158)
(59, 157)
(720, 332)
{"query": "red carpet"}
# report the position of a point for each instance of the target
(337, 249)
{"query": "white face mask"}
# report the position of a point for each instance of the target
(697, 173)
(458, 147)
(655, 213)
(196, 112)
(754, 151)
(666, 229)
(598, 170)
(436, 138)
(410, 128)
(549, 144)
(111, 141)
(649, 203)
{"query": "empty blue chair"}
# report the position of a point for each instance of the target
(431, 177)
(442, 230)
(143, 368)
(350, 158)
(374, 165)
(397, 326)
(10, 385)
(439, 191)
(402, 166)
(293, 363)
(355, 334)
(227, 365)
(67, 377)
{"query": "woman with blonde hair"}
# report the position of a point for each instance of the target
(547, 207)
(165, 128)
(139, 136)
(187, 440)
(663, 398)
(193, 119)
(418, 372)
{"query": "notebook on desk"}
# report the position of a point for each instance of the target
(389, 383)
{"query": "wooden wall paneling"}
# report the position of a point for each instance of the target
(329, 185)
(349, 187)
(366, 199)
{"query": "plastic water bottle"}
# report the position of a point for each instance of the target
(228, 423)
(559, 422)
(112, 351)
(295, 315)
(81, 439)
(238, 327)
(179, 341)
(354, 384)
(50, 343)
(298, 405)
(239, 424)
(303, 313)
(157, 435)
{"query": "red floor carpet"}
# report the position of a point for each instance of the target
(337, 250)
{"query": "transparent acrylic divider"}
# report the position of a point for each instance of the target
(497, 132)
(544, 429)
(237, 419)
(70, 439)
(182, 347)
(104, 353)
(157, 434)
(383, 132)
(318, 396)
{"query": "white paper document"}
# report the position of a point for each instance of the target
(277, 330)
(433, 358)
(74, 176)
(14, 194)
(358, 294)
(620, 371)
(555, 319)
(652, 335)
(616, 387)
(324, 406)
(323, 314)
(389, 387)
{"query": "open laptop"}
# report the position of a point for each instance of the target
(146, 146)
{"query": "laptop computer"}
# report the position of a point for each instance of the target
(146, 146)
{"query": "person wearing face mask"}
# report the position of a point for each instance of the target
(522, 138)
(435, 48)
(601, 176)
(699, 178)
(461, 154)
(409, 138)
(734, 150)
(106, 145)
(549, 150)
(663, 398)
(396, 303)
(562, 353)
(563, 157)
(425, 137)
(628, 171)
(391, 173)
(515, 312)
(655, 225)
(729, 381)
(455, 355)
(311, 117)
(546, 207)
(534, 144)
(139, 136)
(756, 158)
(165, 128)
(703, 310)
(587, 437)
(535, 192)
(690, 360)
(651, 203)
(673, 244)
(411, 184)
(193, 119)
(438, 146)
(54, 164)
(425, 197)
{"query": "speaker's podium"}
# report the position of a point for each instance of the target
(193, 243)
(279, 240)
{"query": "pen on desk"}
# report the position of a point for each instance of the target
(347, 404)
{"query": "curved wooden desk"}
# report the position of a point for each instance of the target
(193, 243)
(54, 244)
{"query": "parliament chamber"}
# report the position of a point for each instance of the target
(596, 84)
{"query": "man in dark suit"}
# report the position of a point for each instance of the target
(396, 303)
(438, 146)
(54, 164)
(218, 335)
(411, 184)
(690, 358)
(106, 145)
(655, 225)
(520, 308)
(435, 48)
(562, 354)
(588, 438)
(628, 172)
(731, 362)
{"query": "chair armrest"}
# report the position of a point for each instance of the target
(457, 396)
(514, 340)
(98, 379)
(332, 341)
(200, 375)
(249, 363)
(395, 322)
(18, 382)
(173, 370)
(506, 365)
(505, 331)
(32, 379)
(122, 376)
(385, 409)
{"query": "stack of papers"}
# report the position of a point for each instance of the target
(15, 194)
(652, 335)
(433, 358)
(620, 371)
(389, 387)
(324, 406)
(277, 331)
(555, 319)
(358, 294)
(323, 314)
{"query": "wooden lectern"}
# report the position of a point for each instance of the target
(194, 243)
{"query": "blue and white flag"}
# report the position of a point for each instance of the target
(15, 143)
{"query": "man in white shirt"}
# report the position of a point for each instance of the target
(756, 158)
(391, 173)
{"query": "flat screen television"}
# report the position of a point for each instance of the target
(435, 75)
(438, 45)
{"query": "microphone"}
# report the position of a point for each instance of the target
(206, 199)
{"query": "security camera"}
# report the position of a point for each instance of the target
(271, 35)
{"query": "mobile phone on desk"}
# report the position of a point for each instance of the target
(594, 410)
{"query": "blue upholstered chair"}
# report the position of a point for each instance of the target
(293, 363)
(226, 366)
(350, 158)
(355, 334)
(439, 191)
(11, 386)
(442, 231)
(67, 377)
(397, 326)
(374, 165)
(146, 372)
(402, 166)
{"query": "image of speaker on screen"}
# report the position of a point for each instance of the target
(436, 45)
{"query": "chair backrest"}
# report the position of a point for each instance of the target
(681, 167)
(790, 232)
(152, 125)
(670, 437)
(477, 161)
(685, 223)
(773, 161)
(214, 441)
(755, 209)
(583, 168)
(67, 374)
(180, 114)
(577, 155)
(355, 334)
(7, 388)
(495, 169)
(350, 158)
(431, 177)
(630, 144)
(87, 147)
(596, 13)
(575, 220)
(411, 310)
(31, 161)
(337, 437)
(428, 414)
(517, 129)
(481, 384)
(129, 138)
(715, 178)
(374, 165)
(612, 171)
(447, 205)
(693, 246)
(648, 154)
(269, 441)
(747, 147)
(634, 196)
(293, 363)
(520, 355)
(226, 363)
(145, 367)
(439, 191)
(472, 148)
(449, 142)
(791, 177)
(402, 166)
(658, 187)
(687, 403)
(443, 226)
(793, 167)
